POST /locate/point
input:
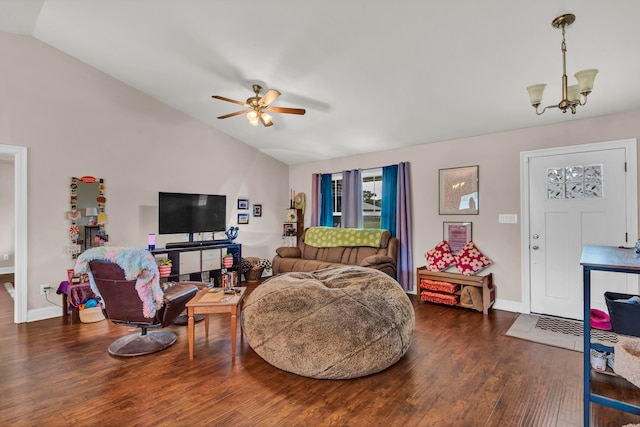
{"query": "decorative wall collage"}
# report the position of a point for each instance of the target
(243, 205)
(96, 218)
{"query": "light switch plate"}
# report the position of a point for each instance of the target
(508, 218)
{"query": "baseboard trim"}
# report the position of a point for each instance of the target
(43, 313)
(507, 305)
(7, 270)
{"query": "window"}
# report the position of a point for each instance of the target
(336, 194)
(371, 198)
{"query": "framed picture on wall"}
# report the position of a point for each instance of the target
(457, 234)
(257, 210)
(243, 218)
(458, 191)
(243, 204)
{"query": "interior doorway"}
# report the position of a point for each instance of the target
(575, 196)
(19, 155)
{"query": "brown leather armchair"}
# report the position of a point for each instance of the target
(123, 306)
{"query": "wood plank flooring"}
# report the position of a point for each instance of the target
(459, 371)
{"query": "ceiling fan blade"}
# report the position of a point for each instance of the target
(287, 110)
(226, 116)
(269, 97)
(227, 99)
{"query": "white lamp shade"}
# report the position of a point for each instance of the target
(585, 79)
(254, 122)
(267, 118)
(573, 93)
(91, 212)
(252, 115)
(535, 93)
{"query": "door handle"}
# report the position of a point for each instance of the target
(535, 247)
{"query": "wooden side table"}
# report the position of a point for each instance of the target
(208, 302)
(72, 296)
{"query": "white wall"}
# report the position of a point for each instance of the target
(499, 176)
(6, 213)
(75, 121)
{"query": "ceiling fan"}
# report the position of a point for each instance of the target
(259, 107)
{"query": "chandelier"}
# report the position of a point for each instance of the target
(574, 95)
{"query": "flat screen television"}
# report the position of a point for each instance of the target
(191, 213)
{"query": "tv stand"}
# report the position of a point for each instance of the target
(177, 245)
(198, 259)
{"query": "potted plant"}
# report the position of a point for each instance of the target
(164, 267)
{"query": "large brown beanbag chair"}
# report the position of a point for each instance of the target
(336, 323)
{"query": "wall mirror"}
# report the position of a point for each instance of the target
(87, 215)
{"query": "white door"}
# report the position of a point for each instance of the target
(575, 199)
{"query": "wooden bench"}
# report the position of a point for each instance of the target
(484, 282)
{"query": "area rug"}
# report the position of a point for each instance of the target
(556, 331)
(9, 287)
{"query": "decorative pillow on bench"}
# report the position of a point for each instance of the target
(470, 260)
(439, 258)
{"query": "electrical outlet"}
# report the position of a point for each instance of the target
(5, 257)
(45, 289)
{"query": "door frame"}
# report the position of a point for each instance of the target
(630, 145)
(20, 232)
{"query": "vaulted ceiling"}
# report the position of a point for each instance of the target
(372, 75)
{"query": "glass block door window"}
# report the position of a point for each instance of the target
(575, 182)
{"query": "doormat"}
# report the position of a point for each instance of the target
(557, 332)
(9, 287)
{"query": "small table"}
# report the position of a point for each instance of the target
(602, 258)
(72, 296)
(208, 302)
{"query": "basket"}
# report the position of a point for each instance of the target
(625, 317)
(254, 274)
(627, 363)
(91, 315)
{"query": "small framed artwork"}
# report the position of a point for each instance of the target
(243, 218)
(457, 234)
(257, 210)
(459, 191)
(289, 230)
(243, 204)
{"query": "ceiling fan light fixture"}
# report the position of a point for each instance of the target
(258, 107)
(572, 96)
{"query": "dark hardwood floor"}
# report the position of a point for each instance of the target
(459, 371)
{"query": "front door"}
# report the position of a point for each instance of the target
(575, 199)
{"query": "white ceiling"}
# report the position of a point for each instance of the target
(372, 74)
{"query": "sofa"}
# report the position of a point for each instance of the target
(324, 247)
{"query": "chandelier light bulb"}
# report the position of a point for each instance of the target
(573, 93)
(585, 79)
(535, 93)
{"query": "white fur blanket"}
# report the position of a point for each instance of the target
(137, 264)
